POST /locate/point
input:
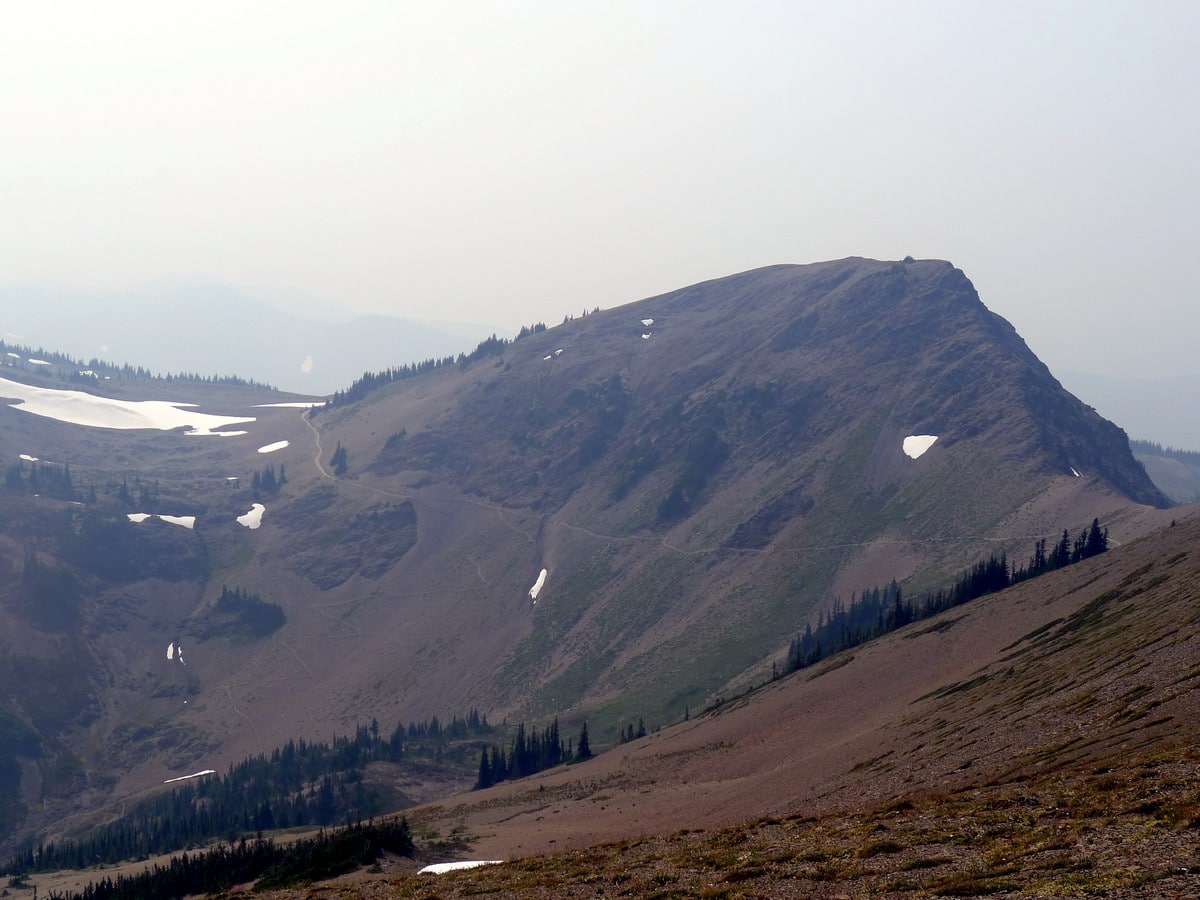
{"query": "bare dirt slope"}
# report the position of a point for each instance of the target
(1082, 667)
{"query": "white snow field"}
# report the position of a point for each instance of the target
(296, 404)
(185, 521)
(439, 868)
(538, 585)
(917, 444)
(271, 448)
(193, 775)
(253, 518)
(79, 408)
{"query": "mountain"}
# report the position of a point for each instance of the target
(1175, 472)
(211, 329)
(630, 514)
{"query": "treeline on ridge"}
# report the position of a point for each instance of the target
(262, 860)
(1191, 457)
(529, 753)
(372, 381)
(301, 783)
(95, 370)
(880, 610)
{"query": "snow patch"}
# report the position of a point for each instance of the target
(647, 335)
(559, 351)
(550, 356)
(647, 322)
(193, 775)
(171, 650)
(80, 408)
(1075, 472)
(28, 458)
(538, 585)
(439, 868)
(37, 362)
(271, 448)
(916, 444)
(295, 404)
(185, 521)
(253, 518)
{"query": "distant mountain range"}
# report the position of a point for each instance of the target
(628, 515)
(211, 329)
(1162, 410)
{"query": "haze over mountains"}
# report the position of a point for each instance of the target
(211, 329)
(689, 480)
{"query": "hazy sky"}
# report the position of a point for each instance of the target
(512, 162)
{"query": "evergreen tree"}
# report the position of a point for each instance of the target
(584, 750)
(338, 460)
(485, 771)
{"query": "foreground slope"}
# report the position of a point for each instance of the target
(1044, 738)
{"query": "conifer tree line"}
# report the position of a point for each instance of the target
(880, 610)
(96, 369)
(38, 477)
(371, 381)
(529, 753)
(1192, 457)
(628, 733)
(301, 783)
(271, 865)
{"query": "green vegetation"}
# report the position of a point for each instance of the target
(879, 611)
(42, 478)
(301, 783)
(274, 865)
(527, 755)
(339, 460)
(240, 615)
(266, 483)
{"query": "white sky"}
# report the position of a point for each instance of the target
(514, 162)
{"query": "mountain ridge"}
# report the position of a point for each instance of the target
(695, 495)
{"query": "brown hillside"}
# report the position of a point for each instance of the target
(696, 497)
(1043, 739)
